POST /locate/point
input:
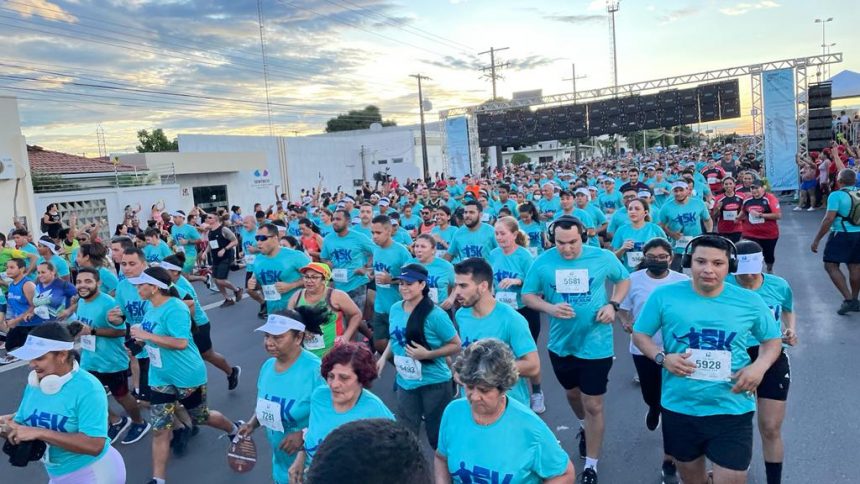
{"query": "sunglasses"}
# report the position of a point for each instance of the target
(263, 238)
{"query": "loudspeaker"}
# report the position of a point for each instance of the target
(630, 105)
(729, 89)
(649, 119)
(667, 99)
(820, 122)
(730, 107)
(687, 97)
(709, 110)
(649, 102)
(819, 95)
(708, 93)
(670, 117)
(689, 113)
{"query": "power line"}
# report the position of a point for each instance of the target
(265, 65)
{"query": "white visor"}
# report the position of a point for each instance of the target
(49, 245)
(145, 278)
(36, 347)
(278, 325)
(170, 267)
(750, 263)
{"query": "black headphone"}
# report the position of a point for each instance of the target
(567, 219)
(687, 259)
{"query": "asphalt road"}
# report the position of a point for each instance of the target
(821, 429)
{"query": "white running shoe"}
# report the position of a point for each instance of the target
(538, 405)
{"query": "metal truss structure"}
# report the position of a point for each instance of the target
(800, 64)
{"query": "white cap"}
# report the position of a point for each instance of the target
(169, 266)
(750, 263)
(679, 184)
(145, 278)
(277, 325)
(644, 194)
(177, 213)
(384, 202)
(583, 191)
(49, 245)
(36, 347)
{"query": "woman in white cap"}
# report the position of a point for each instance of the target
(176, 370)
(65, 408)
(284, 389)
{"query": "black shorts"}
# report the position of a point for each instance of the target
(221, 268)
(842, 248)
(116, 382)
(726, 440)
(371, 285)
(768, 248)
(380, 326)
(590, 376)
(774, 385)
(202, 339)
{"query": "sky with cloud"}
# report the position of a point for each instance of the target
(195, 66)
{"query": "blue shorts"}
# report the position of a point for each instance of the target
(808, 184)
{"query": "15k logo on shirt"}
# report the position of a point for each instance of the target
(341, 256)
(707, 339)
(45, 420)
(473, 251)
(481, 475)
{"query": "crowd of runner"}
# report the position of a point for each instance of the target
(445, 284)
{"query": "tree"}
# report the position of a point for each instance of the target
(155, 142)
(357, 119)
(520, 159)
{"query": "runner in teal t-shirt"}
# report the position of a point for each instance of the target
(276, 269)
(474, 239)
(481, 316)
(440, 276)
(708, 377)
(682, 218)
(156, 249)
(631, 237)
(388, 258)
(347, 253)
(185, 238)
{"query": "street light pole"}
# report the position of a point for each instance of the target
(823, 23)
(426, 164)
(573, 79)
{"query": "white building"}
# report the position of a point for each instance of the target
(16, 185)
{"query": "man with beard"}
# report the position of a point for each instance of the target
(103, 354)
(474, 239)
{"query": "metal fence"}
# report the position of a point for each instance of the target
(162, 174)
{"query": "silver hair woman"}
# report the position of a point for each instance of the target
(516, 445)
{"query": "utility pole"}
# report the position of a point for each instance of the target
(573, 78)
(612, 6)
(265, 64)
(426, 164)
(363, 165)
(823, 22)
(493, 66)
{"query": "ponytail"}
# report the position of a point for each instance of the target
(522, 239)
(416, 322)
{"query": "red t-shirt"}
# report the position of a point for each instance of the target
(728, 210)
(756, 227)
(714, 177)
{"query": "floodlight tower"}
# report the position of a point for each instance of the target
(612, 6)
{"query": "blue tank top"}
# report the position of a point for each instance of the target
(17, 303)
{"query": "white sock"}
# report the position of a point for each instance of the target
(592, 463)
(235, 430)
(159, 481)
(581, 424)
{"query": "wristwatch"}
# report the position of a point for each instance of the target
(615, 305)
(660, 357)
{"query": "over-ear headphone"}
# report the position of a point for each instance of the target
(568, 220)
(51, 384)
(687, 259)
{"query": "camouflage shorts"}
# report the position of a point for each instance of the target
(165, 399)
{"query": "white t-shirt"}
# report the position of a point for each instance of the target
(641, 286)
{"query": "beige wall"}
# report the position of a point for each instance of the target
(184, 163)
(13, 145)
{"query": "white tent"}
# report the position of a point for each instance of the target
(846, 84)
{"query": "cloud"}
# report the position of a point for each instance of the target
(674, 15)
(744, 7)
(531, 62)
(596, 5)
(576, 19)
(457, 63)
(41, 8)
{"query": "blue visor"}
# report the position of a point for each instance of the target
(411, 276)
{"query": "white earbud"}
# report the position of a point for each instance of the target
(51, 384)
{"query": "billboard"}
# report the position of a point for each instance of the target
(780, 129)
(459, 159)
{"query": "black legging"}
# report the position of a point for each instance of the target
(650, 380)
(533, 317)
(768, 248)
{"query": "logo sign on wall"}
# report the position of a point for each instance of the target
(261, 179)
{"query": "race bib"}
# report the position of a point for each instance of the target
(571, 281)
(88, 343)
(507, 297)
(683, 241)
(533, 251)
(269, 415)
(440, 253)
(756, 218)
(485, 217)
(179, 248)
(634, 258)
(213, 244)
(270, 293)
(154, 355)
(434, 295)
(712, 180)
(711, 365)
(408, 368)
(42, 312)
(314, 341)
(339, 275)
(730, 215)
(249, 258)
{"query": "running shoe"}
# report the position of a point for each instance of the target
(136, 432)
(538, 405)
(7, 359)
(670, 473)
(115, 429)
(227, 303)
(210, 283)
(652, 420)
(233, 379)
(811, 209)
(588, 476)
(581, 437)
(797, 208)
(238, 424)
(636, 379)
(847, 306)
(238, 293)
(179, 443)
(263, 313)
